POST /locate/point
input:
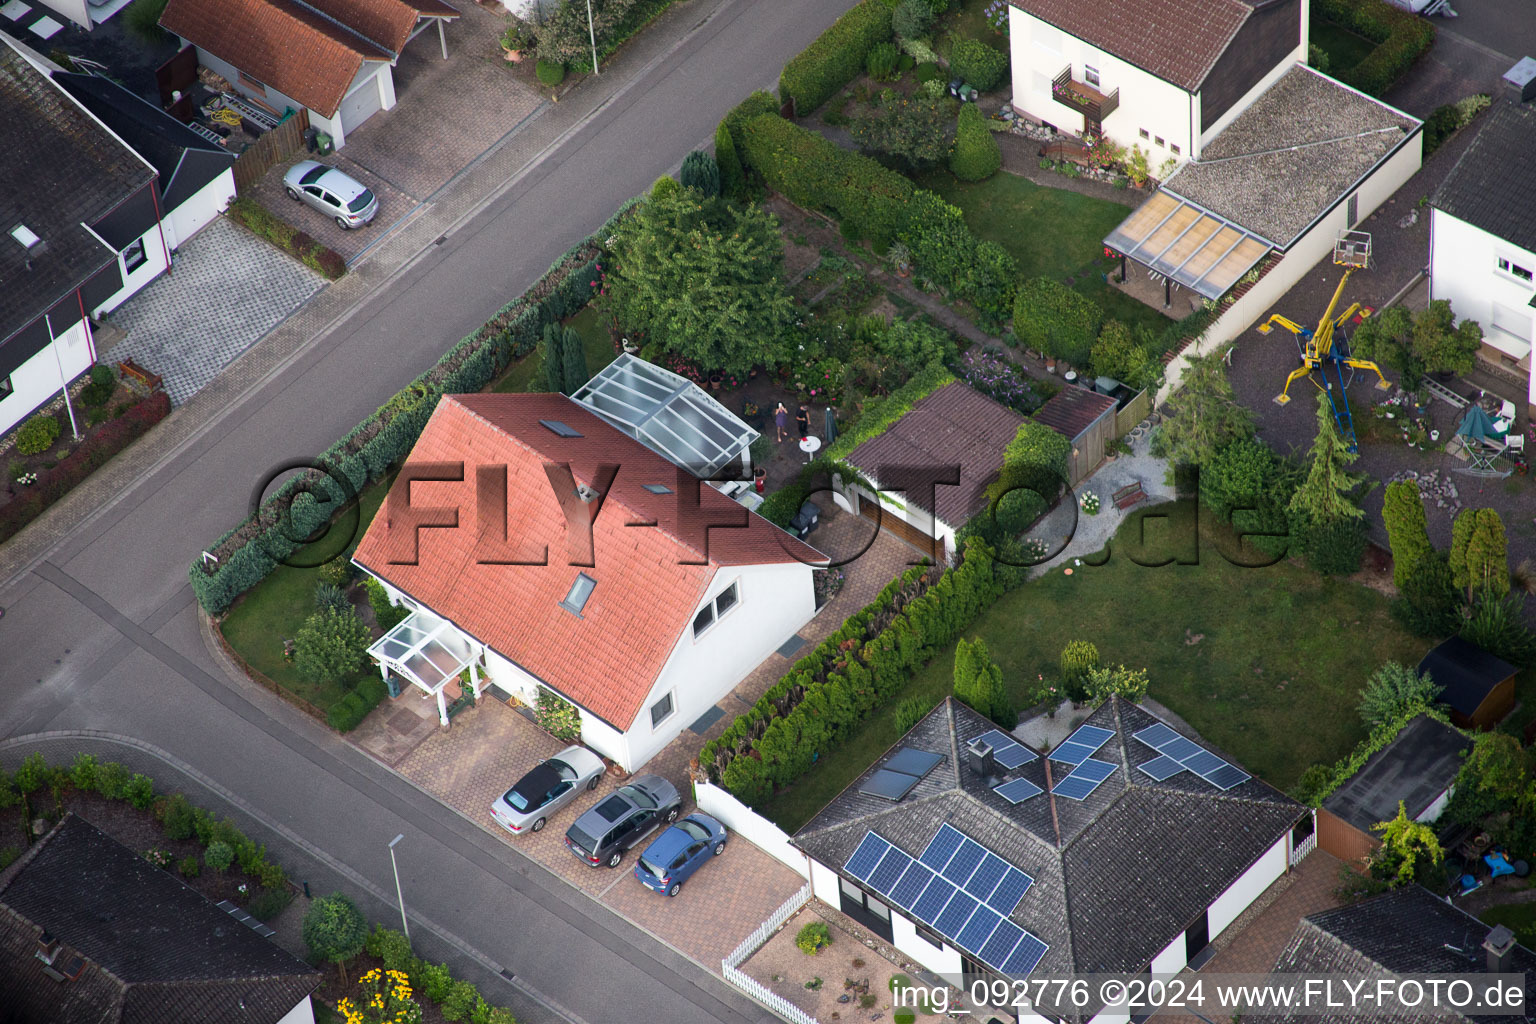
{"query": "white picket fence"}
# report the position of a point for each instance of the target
(729, 967)
(1301, 849)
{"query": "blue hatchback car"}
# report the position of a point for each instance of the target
(677, 853)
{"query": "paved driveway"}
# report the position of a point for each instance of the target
(227, 289)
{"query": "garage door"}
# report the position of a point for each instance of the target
(898, 527)
(361, 104)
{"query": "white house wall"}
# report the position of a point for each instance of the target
(1436, 806)
(773, 601)
(1463, 269)
(1039, 52)
(944, 961)
(199, 209)
(1173, 957)
(1250, 886)
(37, 380)
(153, 266)
(302, 1013)
(745, 823)
(267, 97)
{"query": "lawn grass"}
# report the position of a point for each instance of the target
(1273, 679)
(1051, 232)
(593, 328)
(275, 608)
(1519, 918)
(969, 18)
(1345, 49)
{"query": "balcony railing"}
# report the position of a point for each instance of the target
(1082, 97)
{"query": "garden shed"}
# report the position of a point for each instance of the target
(954, 428)
(1418, 768)
(1478, 687)
(1087, 419)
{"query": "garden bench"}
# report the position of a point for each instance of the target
(1076, 152)
(1128, 495)
(136, 372)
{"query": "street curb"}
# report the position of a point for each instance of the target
(295, 840)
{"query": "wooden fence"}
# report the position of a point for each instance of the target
(273, 147)
(261, 678)
(1136, 410)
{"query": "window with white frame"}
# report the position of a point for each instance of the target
(1091, 75)
(703, 620)
(133, 256)
(724, 601)
(728, 599)
(1515, 270)
(661, 711)
(1158, 139)
(6, 387)
(1143, 133)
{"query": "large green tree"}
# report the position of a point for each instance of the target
(1402, 511)
(335, 930)
(1125, 354)
(1480, 553)
(1408, 848)
(1205, 415)
(1419, 342)
(1325, 495)
(1393, 692)
(979, 682)
(702, 279)
(331, 645)
(912, 129)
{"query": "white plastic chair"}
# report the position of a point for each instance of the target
(1515, 443)
(1507, 410)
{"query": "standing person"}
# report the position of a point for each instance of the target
(803, 422)
(781, 419)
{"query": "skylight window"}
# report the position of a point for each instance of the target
(561, 429)
(658, 489)
(25, 235)
(580, 591)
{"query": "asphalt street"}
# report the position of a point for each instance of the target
(104, 634)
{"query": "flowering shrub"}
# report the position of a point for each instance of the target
(825, 584)
(1000, 380)
(558, 715)
(1104, 153)
(1090, 503)
(158, 857)
(997, 16)
(387, 999)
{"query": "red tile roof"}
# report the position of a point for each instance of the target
(296, 51)
(1176, 40)
(1073, 410)
(386, 22)
(607, 659)
(954, 425)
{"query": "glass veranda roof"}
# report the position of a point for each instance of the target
(1194, 247)
(667, 413)
(426, 649)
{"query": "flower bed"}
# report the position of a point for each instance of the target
(263, 223)
(1000, 380)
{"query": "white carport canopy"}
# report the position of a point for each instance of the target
(429, 651)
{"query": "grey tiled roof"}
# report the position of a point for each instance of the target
(1491, 186)
(955, 425)
(1418, 765)
(155, 949)
(1289, 157)
(1117, 876)
(1408, 931)
(61, 169)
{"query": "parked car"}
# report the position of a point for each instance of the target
(339, 196)
(623, 818)
(547, 787)
(677, 853)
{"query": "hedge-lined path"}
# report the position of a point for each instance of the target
(102, 629)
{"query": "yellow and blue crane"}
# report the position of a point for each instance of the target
(1324, 349)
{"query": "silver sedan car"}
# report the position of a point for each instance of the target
(549, 786)
(342, 198)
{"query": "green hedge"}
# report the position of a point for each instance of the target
(349, 712)
(1052, 318)
(880, 413)
(850, 675)
(382, 441)
(1401, 39)
(836, 57)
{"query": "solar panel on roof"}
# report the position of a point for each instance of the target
(978, 930)
(942, 847)
(1075, 788)
(988, 874)
(1181, 749)
(1092, 735)
(914, 762)
(1155, 736)
(1005, 898)
(889, 785)
(996, 949)
(1017, 790)
(866, 856)
(910, 886)
(1006, 750)
(1162, 768)
(890, 868)
(1093, 770)
(1024, 956)
(955, 915)
(1202, 763)
(932, 901)
(1227, 776)
(1072, 753)
(964, 862)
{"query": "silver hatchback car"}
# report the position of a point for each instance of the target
(342, 198)
(547, 787)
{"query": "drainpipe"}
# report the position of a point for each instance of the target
(90, 337)
(154, 195)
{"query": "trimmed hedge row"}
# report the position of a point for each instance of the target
(1401, 39)
(248, 553)
(880, 413)
(349, 712)
(263, 223)
(874, 202)
(108, 439)
(850, 675)
(836, 57)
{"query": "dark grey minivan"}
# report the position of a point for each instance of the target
(622, 819)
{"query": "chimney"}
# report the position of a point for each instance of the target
(1520, 81)
(979, 756)
(1500, 947)
(47, 948)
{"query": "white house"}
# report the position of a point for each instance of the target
(1482, 248)
(1165, 75)
(91, 931)
(331, 57)
(1127, 849)
(542, 548)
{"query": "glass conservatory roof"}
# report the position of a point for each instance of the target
(426, 649)
(667, 413)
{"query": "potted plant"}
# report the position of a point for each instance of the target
(715, 379)
(630, 347)
(901, 258)
(515, 41)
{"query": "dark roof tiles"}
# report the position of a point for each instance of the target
(1073, 410)
(1491, 186)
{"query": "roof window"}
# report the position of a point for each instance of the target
(580, 591)
(558, 428)
(25, 235)
(658, 488)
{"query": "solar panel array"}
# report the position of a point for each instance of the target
(1084, 779)
(1177, 754)
(1081, 745)
(1006, 750)
(904, 770)
(1017, 790)
(958, 888)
